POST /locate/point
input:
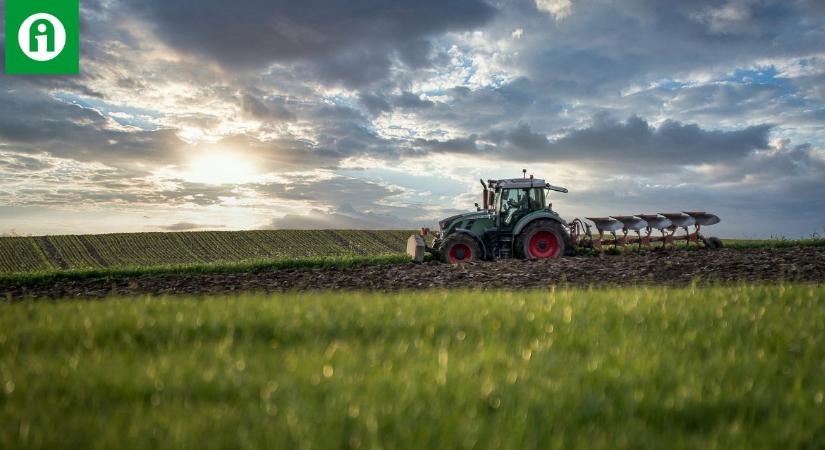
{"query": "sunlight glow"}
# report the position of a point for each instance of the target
(220, 168)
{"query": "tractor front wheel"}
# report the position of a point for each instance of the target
(542, 239)
(460, 249)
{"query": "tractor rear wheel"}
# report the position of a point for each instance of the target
(460, 249)
(542, 239)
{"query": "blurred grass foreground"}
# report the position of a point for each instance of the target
(725, 367)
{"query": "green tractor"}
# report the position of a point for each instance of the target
(515, 220)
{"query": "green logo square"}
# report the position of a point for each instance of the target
(42, 37)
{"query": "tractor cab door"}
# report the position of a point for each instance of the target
(513, 204)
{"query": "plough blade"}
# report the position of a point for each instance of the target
(703, 218)
(656, 221)
(606, 224)
(643, 226)
(632, 223)
(679, 220)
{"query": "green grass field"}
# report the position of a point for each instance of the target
(133, 251)
(725, 367)
(774, 243)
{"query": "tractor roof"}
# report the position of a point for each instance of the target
(519, 183)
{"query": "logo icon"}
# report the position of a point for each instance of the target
(42, 37)
(46, 40)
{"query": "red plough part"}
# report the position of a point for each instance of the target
(640, 230)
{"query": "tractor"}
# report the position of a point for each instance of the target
(516, 220)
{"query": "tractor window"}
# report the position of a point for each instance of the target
(536, 199)
(514, 202)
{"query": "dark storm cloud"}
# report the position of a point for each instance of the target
(374, 103)
(349, 41)
(408, 100)
(608, 141)
(635, 141)
(465, 145)
(603, 46)
(266, 109)
(478, 110)
(31, 121)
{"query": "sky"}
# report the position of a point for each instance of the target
(258, 114)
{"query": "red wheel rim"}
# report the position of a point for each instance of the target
(544, 244)
(460, 253)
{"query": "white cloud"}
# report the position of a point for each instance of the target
(559, 9)
(729, 18)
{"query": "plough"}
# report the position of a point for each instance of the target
(623, 228)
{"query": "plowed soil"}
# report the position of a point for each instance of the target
(802, 264)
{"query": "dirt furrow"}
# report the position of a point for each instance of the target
(801, 264)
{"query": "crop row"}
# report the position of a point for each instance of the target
(18, 254)
(21, 254)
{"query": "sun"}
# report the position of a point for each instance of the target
(220, 168)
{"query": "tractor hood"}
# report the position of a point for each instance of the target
(444, 224)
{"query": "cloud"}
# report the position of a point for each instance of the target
(344, 217)
(608, 142)
(408, 100)
(188, 226)
(324, 190)
(347, 41)
(374, 103)
(783, 163)
(21, 164)
(603, 46)
(267, 109)
(559, 9)
(33, 122)
(635, 141)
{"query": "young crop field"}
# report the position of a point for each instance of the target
(49, 253)
(719, 367)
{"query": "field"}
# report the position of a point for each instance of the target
(202, 248)
(726, 367)
(129, 254)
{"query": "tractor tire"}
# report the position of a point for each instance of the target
(460, 249)
(542, 239)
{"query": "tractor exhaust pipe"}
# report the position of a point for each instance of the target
(484, 195)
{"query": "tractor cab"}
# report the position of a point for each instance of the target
(515, 199)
